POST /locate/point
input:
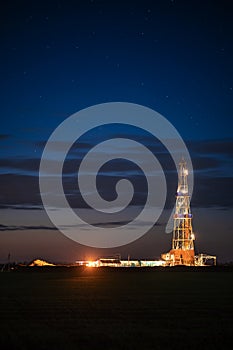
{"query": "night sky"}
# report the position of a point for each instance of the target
(58, 57)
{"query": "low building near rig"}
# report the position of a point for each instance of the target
(117, 262)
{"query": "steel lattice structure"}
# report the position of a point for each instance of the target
(182, 252)
(183, 237)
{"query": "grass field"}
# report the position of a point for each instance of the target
(76, 308)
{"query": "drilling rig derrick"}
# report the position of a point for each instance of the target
(182, 252)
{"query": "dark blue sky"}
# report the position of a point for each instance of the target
(173, 56)
(58, 57)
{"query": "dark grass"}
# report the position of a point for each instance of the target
(76, 308)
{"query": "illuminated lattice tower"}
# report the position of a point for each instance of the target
(182, 252)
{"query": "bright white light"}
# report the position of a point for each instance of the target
(92, 263)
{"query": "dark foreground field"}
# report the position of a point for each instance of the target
(75, 308)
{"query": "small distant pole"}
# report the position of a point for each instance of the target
(8, 262)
